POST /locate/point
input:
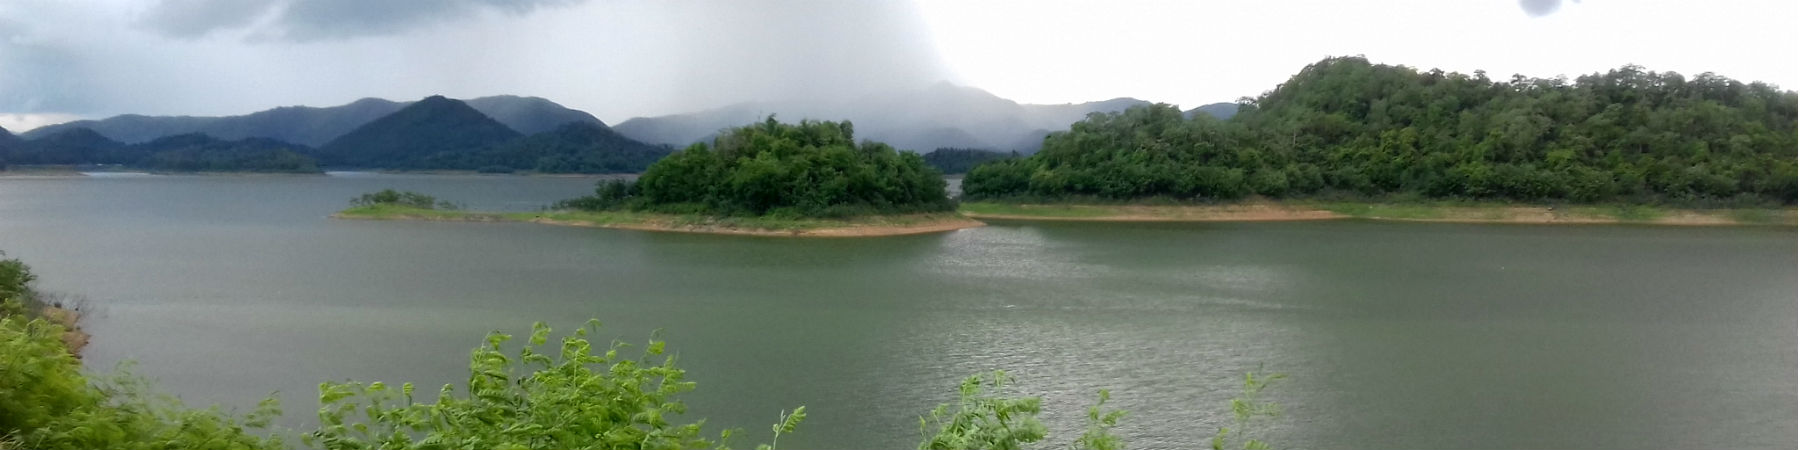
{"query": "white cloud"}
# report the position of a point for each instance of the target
(20, 123)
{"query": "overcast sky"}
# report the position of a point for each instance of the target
(62, 59)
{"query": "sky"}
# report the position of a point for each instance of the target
(67, 59)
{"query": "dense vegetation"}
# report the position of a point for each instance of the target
(812, 169)
(960, 160)
(1346, 126)
(202, 153)
(179, 153)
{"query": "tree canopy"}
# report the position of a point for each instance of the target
(1344, 125)
(811, 169)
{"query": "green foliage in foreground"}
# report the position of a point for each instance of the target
(984, 420)
(409, 199)
(810, 169)
(568, 396)
(46, 402)
(1345, 125)
(1248, 412)
(571, 398)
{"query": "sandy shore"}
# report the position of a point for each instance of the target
(73, 337)
(1275, 212)
(847, 230)
(1259, 212)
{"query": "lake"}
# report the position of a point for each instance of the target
(1393, 335)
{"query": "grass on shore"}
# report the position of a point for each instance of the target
(1383, 210)
(1050, 210)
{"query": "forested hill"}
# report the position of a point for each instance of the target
(531, 115)
(7, 140)
(181, 153)
(576, 147)
(956, 161)
(1345, 125)
(300, 124)
(405, 139)
(1217, 110)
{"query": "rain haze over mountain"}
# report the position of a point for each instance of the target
(619, 59)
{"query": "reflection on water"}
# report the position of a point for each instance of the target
(1394, 335)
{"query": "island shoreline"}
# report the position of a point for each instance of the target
(878, 226)
(1290, 212)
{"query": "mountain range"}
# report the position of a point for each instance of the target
(505, 133)
(316, 126)
(431, 126)
(435, 133)
(7, 140)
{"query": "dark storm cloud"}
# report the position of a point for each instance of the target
(195, 18)
(310, 20)
(1540, 8)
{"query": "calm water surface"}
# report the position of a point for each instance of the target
(1394, 335)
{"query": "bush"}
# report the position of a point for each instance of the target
(571, 398)
(409, 199)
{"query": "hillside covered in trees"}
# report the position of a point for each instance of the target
(179, 153)
(1344, 126)
(575, 147)
(960, 160)
(810, 169)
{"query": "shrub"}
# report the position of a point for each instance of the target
(410, 199)
(571, 399)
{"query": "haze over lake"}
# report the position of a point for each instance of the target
(1394, 335)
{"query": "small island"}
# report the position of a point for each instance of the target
(768, 179)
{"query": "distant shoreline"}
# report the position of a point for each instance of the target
(1299, 211)
(67, 173)
(873, 226)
